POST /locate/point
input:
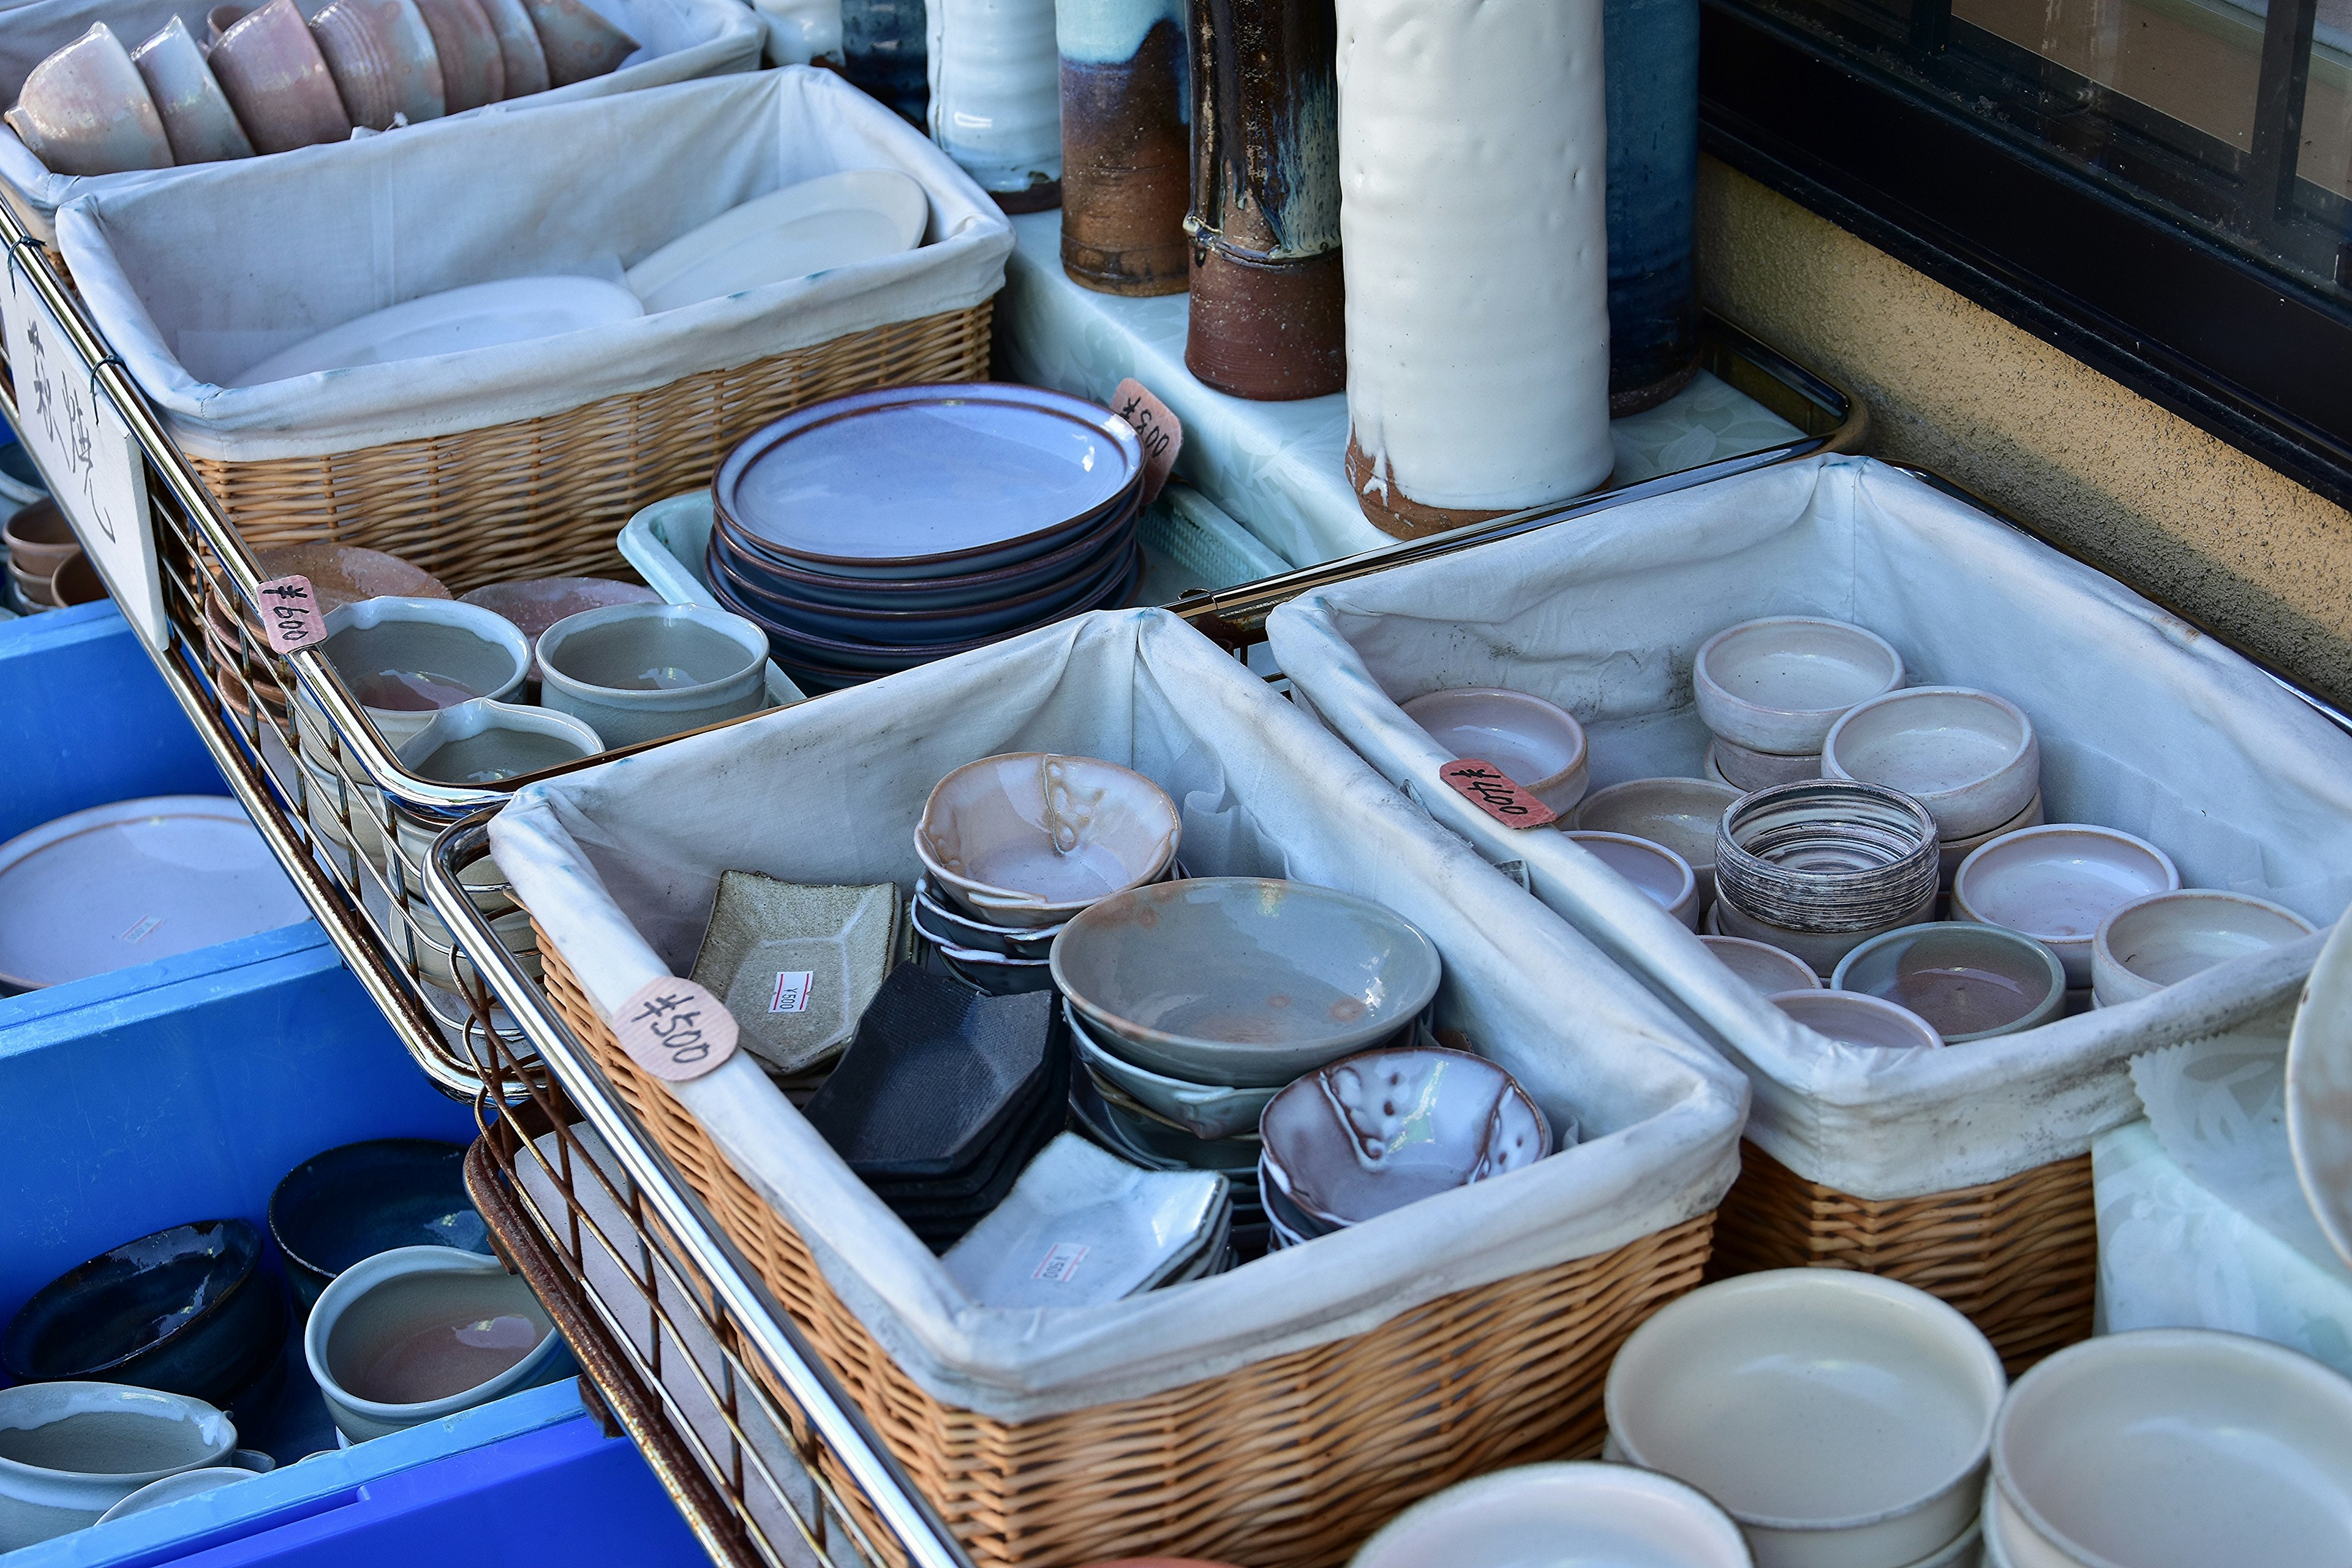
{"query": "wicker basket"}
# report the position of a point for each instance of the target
(2020, 1257)
(1287, 1463)
(546, 498)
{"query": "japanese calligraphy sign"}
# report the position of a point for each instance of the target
(1490, 789)
(86, 452)
(675, 1029)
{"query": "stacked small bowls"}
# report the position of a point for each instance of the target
(1537, 743)
(1817, 868)
(1971, 758)
(874, 532)
(1013, 846)
(2057, 884)
(1771, 690)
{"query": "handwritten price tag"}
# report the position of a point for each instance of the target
(676, 1030)
(289, 614)
(1490, 789)
(1162, 433)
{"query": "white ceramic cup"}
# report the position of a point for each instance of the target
(2056, 883)
(2162, 941)
(1540, 744)
(1855, 1019)
(1842, 1419)
(359, 1316)
(1777, 685)
(1745, 770)
(584, 659)
(1609, 1514)
(1969, 757)
(148, 1436)
(1822, 949)
(1663, 876)
(1769, 970)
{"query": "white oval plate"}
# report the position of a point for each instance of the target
(134, 881)
(2319, 1090)
(479, 316)
(813, 226)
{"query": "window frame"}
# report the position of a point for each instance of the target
(2239, 347)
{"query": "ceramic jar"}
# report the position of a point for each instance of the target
(996, 98)
(1267, 318)
(801, 31)
(1125, 155)
(883, 53)
(59, 1472)
(1473, 148)
(1652, 75)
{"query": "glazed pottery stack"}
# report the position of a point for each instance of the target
(1382, 1128)
(1083, 1226)
(38, 541)
(943, 1098)
(266, 81)
(1014, 846)
(1191, 1003)
(1771, 690)
(877, 531)
(1817, 868)
(1969, 757)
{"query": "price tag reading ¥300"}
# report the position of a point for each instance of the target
(290, 614)
(1162, 433)
(1490, 789)
(676, 1030)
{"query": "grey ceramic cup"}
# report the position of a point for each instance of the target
(595, 666)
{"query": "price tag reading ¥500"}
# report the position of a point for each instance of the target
(676, 1030)
(290, 616)
(1490, 789)
(1162, 433)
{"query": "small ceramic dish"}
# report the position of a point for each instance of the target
(2160, 941)
(1611, 1514)
(38, 540)
(1744, 770)
(1030, 839)
(2175, 1448)
(995, 974)
(1777, 685)
(1769, 970)
(1243, 980)
(1828, 856)
(1375, 1131)
(2057, 883)
(186, 1310)
(1660, 873)
(59, 1474)
(1680, 814)
(484, 742)
(814, 226)
(1856, 1019)
(171, 1489)
(406, 659)
(77, 583)
(644, 671)
(1969, 981)
(1082, 1226)
(1821, 950)
(797, 964)
(1969, 757)
(1951, 852)
(420, 1333)
(352, 1201)
(1155, 1145)
(1838, 1416)
(944, 923)
(1204, 1109)
(1541, 746)
(453, 321)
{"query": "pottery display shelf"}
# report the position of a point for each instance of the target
(1279, 468)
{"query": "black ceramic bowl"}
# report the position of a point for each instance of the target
(186, 1310)
(336, 1208)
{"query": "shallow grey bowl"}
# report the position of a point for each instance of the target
(639, 672)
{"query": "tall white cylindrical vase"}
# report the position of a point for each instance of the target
(1473, 178)
(996, 96)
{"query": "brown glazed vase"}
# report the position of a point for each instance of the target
(1127, 169)
(1267, 311)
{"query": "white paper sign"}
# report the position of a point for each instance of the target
(86, 452)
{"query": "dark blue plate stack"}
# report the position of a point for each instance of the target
(877, 531)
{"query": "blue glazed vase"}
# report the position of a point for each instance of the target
(883, 51)
(1652, 49)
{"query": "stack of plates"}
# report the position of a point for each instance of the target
(1083, 1226)
(877, 531)
(943, 1098)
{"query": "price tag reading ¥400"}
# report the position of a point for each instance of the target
(1162, 433)
(291, 617)
(676, 1030)
(1490, 789)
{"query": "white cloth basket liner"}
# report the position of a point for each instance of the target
(2146, 725)
(203, 274)
(678, 40)
(620, 864)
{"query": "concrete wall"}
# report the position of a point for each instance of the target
(2186, 519)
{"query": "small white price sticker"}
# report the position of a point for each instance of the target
(1490, 789)
(1162, 433)
(1060, 1262)
(289, 614)
(675, 1029)
(85, 451)
(793, 987)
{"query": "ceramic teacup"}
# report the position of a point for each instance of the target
(639, 672)
(69, 1451)
(407, 659)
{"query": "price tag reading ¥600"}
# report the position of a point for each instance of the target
(1490, 789)
(290, 614)
(675, 1029)
(1162, 433)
